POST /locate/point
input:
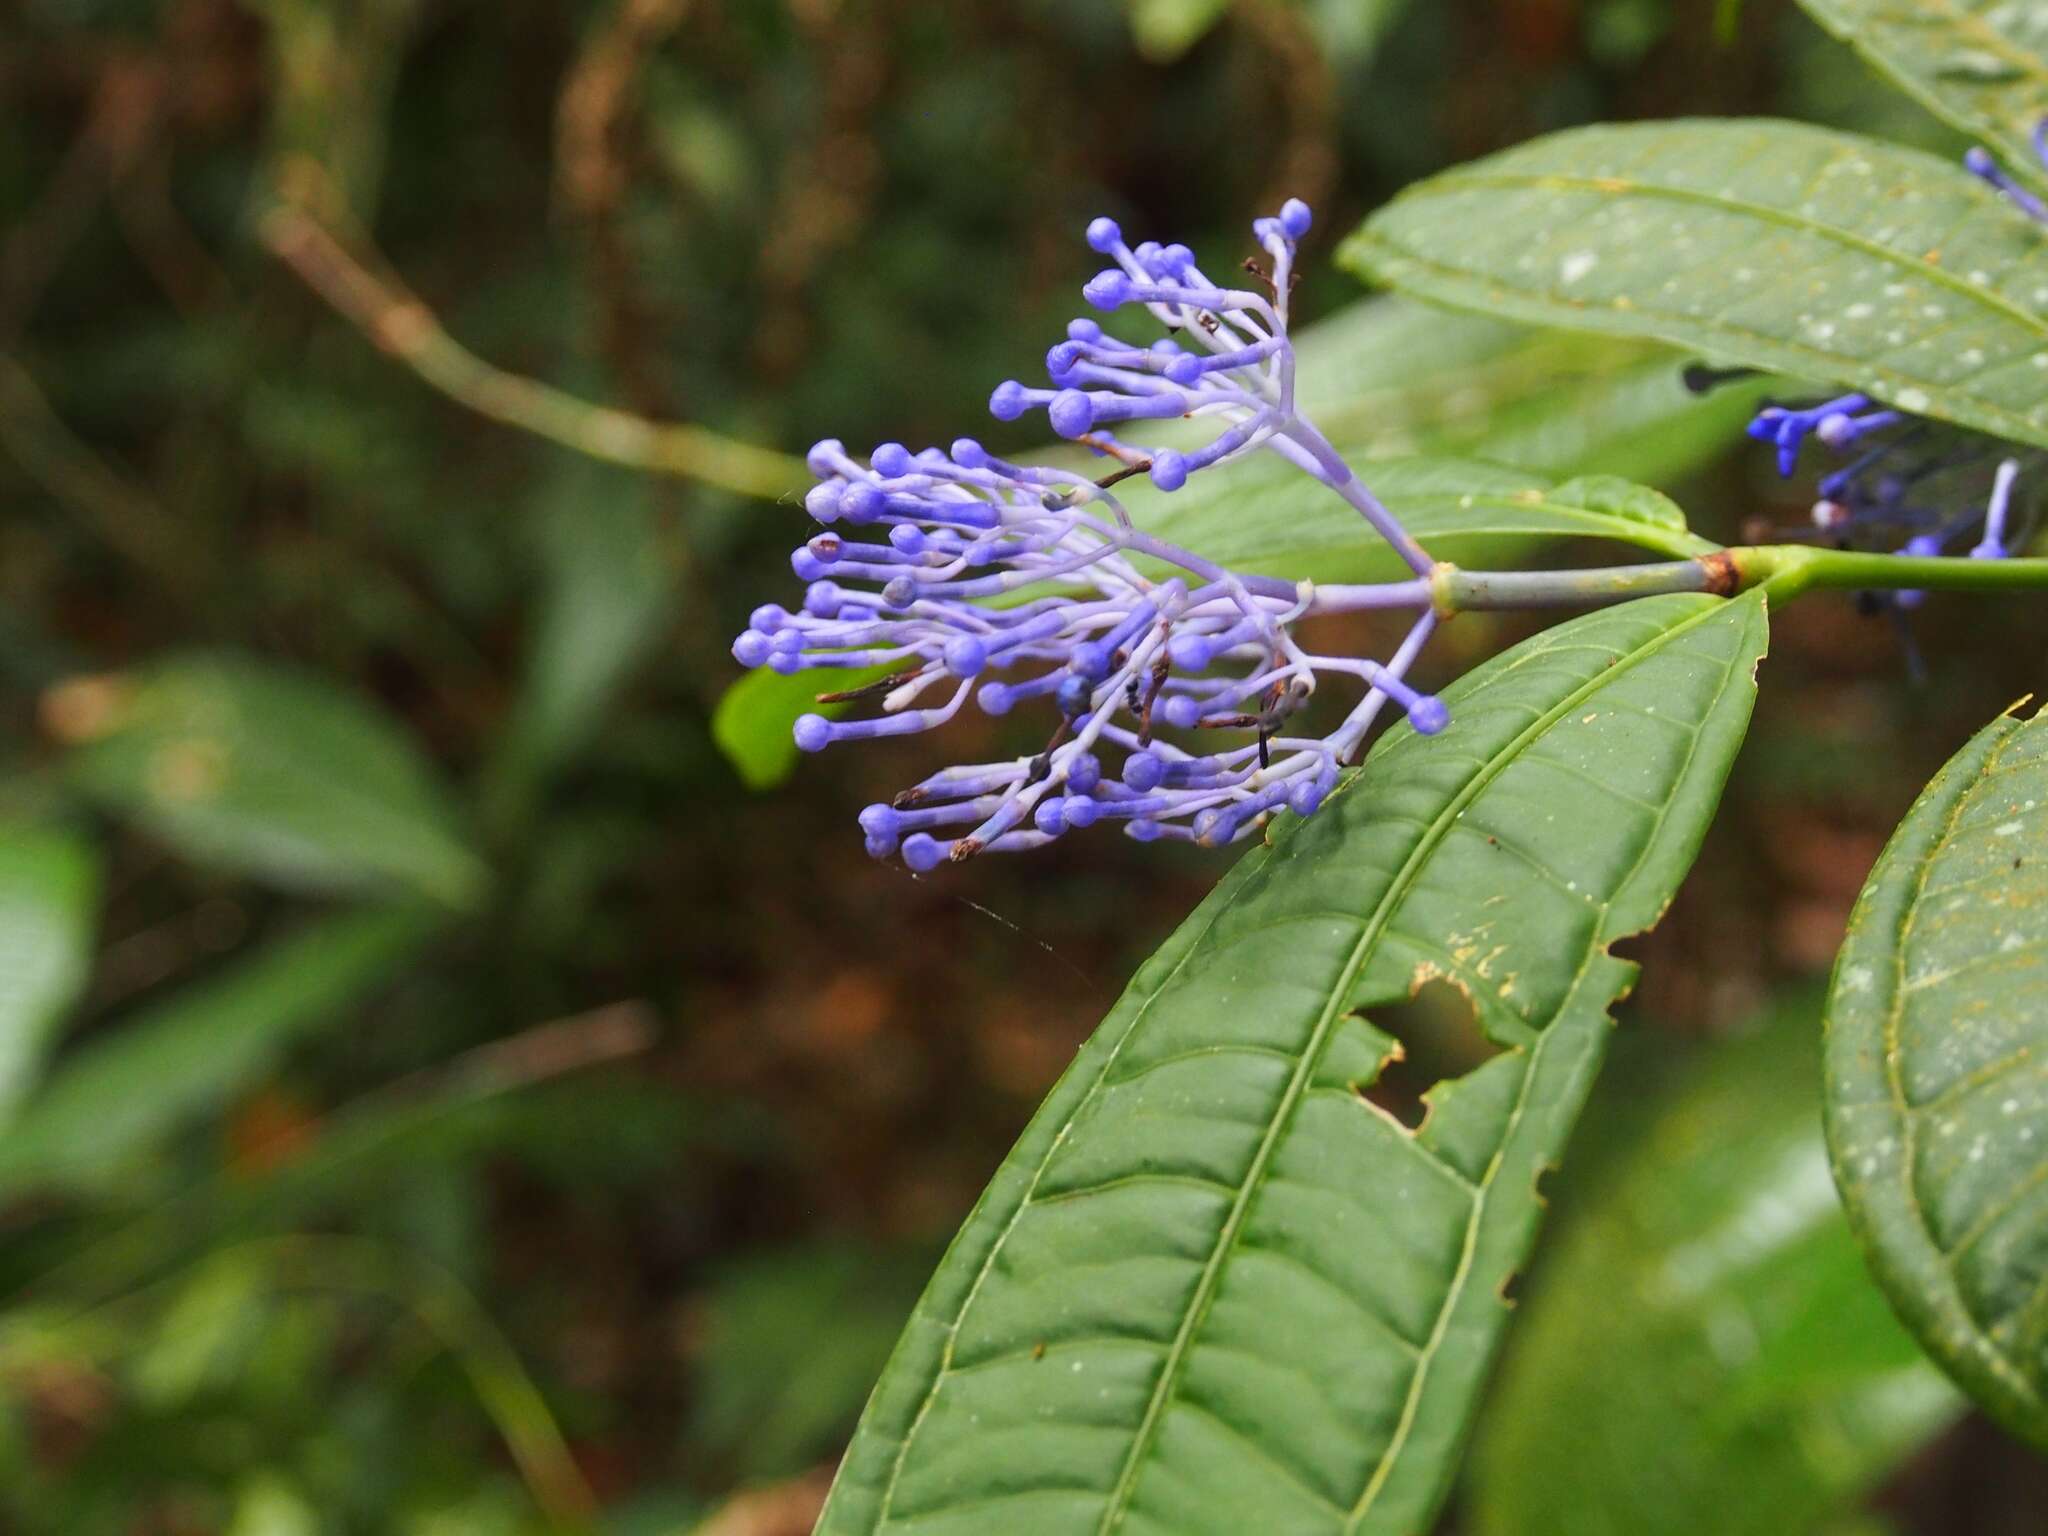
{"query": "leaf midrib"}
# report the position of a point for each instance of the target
(1371, 932)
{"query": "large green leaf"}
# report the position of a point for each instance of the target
(1706, 1354)
(254, 768)
(49, 896)
(1937, 1070)
(1389, 378)
(1981, 64)
(1773, 244)
(1216, 1289)
(147, 1074)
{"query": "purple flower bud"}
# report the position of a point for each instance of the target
(1071, 413)
(768, 618)
(1295, 218)
(813, 733)
(1181, 712)
(879, 847)
(891, 459)
(1169, 470)
(821, 598)
(922, 852)
(908, 540)
(826, 547)
(752, 649)
(1110, 289)
(823, 458)
(1060, 361)
(1104, 236)
(861, 503)
(1047, 818)
(1090, 660)
(822, 501)
(1428, 715)
(1084, 773)
(1143, 829)
(969, 454)
(1083, 329)
(1074, 696)
(881, 821)
(1008, 401)
(995, 698)
(1144, 771)
(1079, 811)
(1306, 798)
(966, 656)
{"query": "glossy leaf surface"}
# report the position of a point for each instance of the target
(1705, 1353)
(1937, 1070)
(1981, 64)
(1214, 1288)
(1773, 244)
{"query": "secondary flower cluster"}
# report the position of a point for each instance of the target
(968, 576)
(1925, 487)
(1905, 478)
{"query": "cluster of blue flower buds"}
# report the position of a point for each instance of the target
(972, 577)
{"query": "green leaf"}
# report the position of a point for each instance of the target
(144, 1076)
(606, 591)
(1937, 1071)
(1980, 64)
(1705, 1354)
(1350, 31)
(1214, 1288)
(1166, 29)
(792, 1342)
(1389, 378)
(755, 716)
(254, 768)
(49, 899)
(1772, 244)
(1265, 516)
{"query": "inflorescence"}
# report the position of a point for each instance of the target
(973, 576)
(1907, 482)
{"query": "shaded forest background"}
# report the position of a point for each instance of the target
(488, 1113)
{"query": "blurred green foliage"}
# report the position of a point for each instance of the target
(438, 1096)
